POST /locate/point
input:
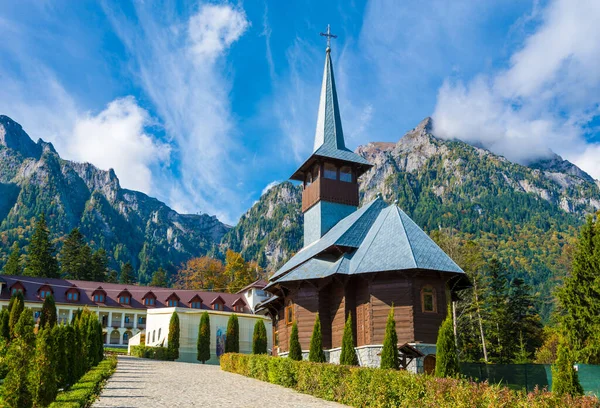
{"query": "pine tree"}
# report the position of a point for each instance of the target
(99, 265)
(71, 255)
(525, 325)
(389, 353)
(43, 377)
(16, 392)
(498, 313)
(41, 261)
(446, 360)
(522, 356)
(232, 339)
(173, 339)
(127, 274)
(259, 338)
(579, 296)
(111, 276)
(564, 376)
(204, 338)
(13, 265)
(315, 353)
(48, 314)
(295, 349)
(16, 309)
(348, 355)
(159, 279)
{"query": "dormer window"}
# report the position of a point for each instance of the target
(149, 299)
(195, 302)
(173, 300)
(238, 305)
(44, 291)
(218, 306)
(72, 294)
(99, 295)
(124, 297)
(196, 305)
(16, 290)
(218, 303)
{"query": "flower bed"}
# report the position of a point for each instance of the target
(372, 387)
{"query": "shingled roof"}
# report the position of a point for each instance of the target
(375, 238)
(112, 290)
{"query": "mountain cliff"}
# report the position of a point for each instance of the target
(129, 225)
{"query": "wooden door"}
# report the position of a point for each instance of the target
(429, 364)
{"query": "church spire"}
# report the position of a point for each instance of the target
(329, 124)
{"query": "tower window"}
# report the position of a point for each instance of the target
(308, 179)
(428, 303)
(330, 171)
(289, 313)
(346, 174)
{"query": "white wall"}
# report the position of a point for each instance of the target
(189, 321)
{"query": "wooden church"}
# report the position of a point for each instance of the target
(357, 261)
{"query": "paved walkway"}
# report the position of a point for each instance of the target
(149, 383)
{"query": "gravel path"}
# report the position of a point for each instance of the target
(147, 383)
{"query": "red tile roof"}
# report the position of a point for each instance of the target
(87, 288)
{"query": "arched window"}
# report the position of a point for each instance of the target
(330, 171)
(159, 334)
(428, 300)
(309, 179)
(346, 174)
(153, 336)
(289, 312)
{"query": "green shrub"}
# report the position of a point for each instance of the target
(316, 353)
(374, 387)
(348, 355)
(173, 339)
(154, 353)
(295, 352)
(446, 360)
(85, 391)
(259, 338)
(389, 353)
(232, 338)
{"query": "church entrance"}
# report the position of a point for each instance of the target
(429, 364)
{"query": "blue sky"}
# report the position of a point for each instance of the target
(205, 104)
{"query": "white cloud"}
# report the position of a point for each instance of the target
(269, 186)
(542, 100)
(180, 66)
(116, 138)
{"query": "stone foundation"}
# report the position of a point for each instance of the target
(370, 356)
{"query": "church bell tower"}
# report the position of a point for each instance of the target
(330, 175)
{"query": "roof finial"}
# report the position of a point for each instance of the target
(329, 37)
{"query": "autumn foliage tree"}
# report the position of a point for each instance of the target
(203, 273)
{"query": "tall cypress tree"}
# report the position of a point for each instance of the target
(173, 339)
(259, 338)
(389, 353)
(580, 296)
(4, 325)
(295, 349)
(204, 338)
(348, 355)
(72, 353)
(446, 359)
(18, 305)
(127, 274)
(232, 339)
(48, 314)
(564, 376)
(99, 342)
(43, 377)
(16, 392)
(13, 265)
(316, 353)
(41, 261)
(60, 355)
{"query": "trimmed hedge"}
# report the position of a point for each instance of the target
(154, 353)
(374, 387)
(84, 392)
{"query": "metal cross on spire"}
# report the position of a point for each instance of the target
(329, 37)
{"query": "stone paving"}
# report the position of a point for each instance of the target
(147, 383)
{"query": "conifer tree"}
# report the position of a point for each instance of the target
(498, 313)
(43, 377)
(4, 326)
(259, 338)
(564, 377)
(13, 265)
(204, 338)
(316, 353)
(127, 274)
(72, 354)
(41, 261)
(173, 339)
(446, 359)
(295, 349)
(99, 265)
(16, 309)
(16, 388)
(232, 339)
(111, 276)
(60, 355)
(48, 314)
(99, 342)
(348, 355)
(579, 296)
(92, 343)
(389, 353)
(72, 259)
(522, 356)
(159, 279)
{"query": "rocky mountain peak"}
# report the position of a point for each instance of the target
(14, 137)
(557, 164)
